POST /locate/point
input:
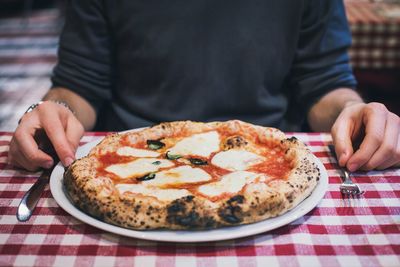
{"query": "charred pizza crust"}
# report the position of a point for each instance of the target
(96, 194)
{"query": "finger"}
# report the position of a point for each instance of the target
(374, 119)
(341, 135)
(55, 131)
(26, 151)
(16, 162)
(74, 132)
(386, 152)
(22, 162)
(13, 154)
(394, 161)
(18, 159)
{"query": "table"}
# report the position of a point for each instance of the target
(332, 234)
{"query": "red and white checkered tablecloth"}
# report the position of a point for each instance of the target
(375, 28)
(332, 234)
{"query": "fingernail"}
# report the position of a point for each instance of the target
(342, 157)
(48, 164)
(353, 167)
(68, 161)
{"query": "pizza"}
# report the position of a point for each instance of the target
(192, 175)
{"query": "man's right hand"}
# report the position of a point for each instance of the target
(62, 128)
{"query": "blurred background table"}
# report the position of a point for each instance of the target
(375, 52)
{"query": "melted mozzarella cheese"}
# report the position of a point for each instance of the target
(139, 167)
(236, 159)
(202, 144)
(135, 152)
(230, 183)
(161, 194)
(179, 175)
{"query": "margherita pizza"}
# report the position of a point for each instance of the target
(192, 175)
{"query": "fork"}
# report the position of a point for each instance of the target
(347, 188)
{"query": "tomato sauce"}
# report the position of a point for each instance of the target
(275, 165)
(113, 158)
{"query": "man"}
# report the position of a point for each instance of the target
(128, 64)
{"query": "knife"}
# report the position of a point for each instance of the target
(32, 196)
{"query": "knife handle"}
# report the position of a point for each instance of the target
(32, 196)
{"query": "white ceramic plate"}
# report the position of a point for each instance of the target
(57, 189)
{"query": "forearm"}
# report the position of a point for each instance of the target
(323, 114)
(84, 112)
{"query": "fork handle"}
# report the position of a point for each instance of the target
(346, 176)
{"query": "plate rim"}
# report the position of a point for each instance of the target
(187, 236)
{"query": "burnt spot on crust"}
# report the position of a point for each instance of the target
(189, 219)
(290, 196)
(234, 142)
(232, 212)
(238, 198)
(137, 208)
(188, 198)
(292, 139)
(290, 184)
(183, 212)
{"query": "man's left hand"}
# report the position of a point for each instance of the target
(375, 128)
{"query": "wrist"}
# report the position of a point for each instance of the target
(35, 105)
(324, 113)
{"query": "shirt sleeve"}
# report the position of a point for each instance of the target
(84, 54)
(321, 62)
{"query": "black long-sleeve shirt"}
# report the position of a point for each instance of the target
(142, 62)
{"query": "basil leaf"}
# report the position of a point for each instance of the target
(172, 157)
(147, 177)
(156, 162)
(195, 161)
(154, 144)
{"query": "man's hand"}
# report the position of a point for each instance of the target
(375, 129)
(60, 125)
